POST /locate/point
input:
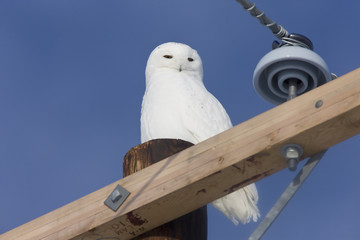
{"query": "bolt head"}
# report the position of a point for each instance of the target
(292, 152)
(115, 195)
(318, 104)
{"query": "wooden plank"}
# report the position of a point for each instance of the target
(200, 174)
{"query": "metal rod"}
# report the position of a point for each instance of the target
(286, 196)
(292, 88)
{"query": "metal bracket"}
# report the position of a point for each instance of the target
(286, 196)
(116, 198)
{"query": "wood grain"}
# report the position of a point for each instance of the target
(211, 169)
(192, 226)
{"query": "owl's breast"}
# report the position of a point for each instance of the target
(164, 104)
(180, 107)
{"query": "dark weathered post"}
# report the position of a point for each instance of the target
(192, 226)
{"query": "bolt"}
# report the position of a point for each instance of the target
(292, 88)
(292, 164)
(115, 196)
(318, 103)
(292, 154)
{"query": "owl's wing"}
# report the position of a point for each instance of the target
(240, 205)
(204, 116)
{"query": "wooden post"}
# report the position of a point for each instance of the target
(190, 226)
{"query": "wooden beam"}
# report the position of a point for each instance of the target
(200, 174)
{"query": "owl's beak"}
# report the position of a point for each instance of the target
(180, 68)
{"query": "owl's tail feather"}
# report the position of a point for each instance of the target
(240, 205)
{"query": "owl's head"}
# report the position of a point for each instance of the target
(174, 57)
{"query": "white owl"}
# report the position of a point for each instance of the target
(177, 105)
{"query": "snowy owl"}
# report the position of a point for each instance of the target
(177, 105)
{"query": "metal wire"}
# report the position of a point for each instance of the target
(293, 42)
(275, 28)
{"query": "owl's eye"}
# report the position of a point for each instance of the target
(190, 59)
(168, 56)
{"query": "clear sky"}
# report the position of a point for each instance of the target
(72, 81)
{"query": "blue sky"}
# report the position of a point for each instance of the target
(72, 81)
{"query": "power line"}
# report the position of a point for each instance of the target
(275, 28)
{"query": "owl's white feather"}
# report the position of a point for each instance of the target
(177, 105)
